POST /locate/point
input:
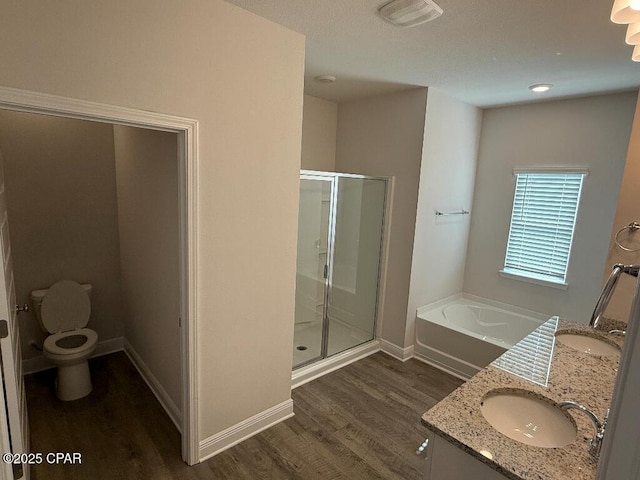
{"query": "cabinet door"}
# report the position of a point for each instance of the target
(448, 462)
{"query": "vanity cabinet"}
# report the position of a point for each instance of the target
(458, 419)
(445, 461)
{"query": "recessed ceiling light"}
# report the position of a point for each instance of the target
(540, 87)
(409, 13)
(325, 78)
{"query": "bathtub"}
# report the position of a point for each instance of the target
(463, 334)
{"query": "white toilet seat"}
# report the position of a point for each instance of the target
(51, 347)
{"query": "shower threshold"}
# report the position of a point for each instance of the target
(305, 374)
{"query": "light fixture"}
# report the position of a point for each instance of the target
(628, 11)
(408, 13)
(325, 78)
(625, 11)
(540, 87)
(633, 34)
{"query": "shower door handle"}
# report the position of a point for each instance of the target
(326, 271)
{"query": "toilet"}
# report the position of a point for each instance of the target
(63, 310)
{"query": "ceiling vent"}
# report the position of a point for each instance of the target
(409, 13)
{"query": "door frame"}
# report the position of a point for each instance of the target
(620, 455)
(187, 131)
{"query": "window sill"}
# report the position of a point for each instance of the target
(535, 281)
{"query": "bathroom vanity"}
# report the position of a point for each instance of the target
(542, 370)
(444, 461)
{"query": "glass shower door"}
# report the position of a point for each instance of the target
(355, 263)
(313, 245)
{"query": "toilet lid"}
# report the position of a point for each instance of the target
(66, 306)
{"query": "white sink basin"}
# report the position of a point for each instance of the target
(586, 343)
(528, 418)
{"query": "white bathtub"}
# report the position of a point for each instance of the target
(462, 334)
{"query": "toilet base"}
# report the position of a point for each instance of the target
(73, 381)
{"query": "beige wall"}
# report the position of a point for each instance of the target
(319, 124)
(147, 191)
(60, 180)
(199, 59)
(592, 132)
(382, 136)
(628, 210)
(447, 175)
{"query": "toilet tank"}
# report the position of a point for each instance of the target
(38, 295)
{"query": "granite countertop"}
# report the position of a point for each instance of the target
(572, 375)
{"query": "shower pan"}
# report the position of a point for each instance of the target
(340, 235)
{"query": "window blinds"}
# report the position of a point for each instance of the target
(544, 212)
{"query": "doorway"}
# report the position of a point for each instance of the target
(186, 132)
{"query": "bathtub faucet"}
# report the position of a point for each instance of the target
(609, 288)
(596, 442)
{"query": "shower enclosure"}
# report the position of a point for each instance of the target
(340, 234)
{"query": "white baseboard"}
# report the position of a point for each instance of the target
(303, 375)
(104, 347)
(393, 350)
(156, 387)
(247, 428)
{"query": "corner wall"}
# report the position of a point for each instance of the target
(319, 128)
(147, 191)
(447, 175)
(63, 218)
(199, 59)
(383, 136)
(628, 210)
(592, 132)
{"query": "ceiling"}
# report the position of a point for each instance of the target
(485, 53)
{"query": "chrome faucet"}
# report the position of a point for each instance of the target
(609, 288)
(620, 333)
(595, 444)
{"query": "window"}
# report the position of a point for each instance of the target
(543, 218)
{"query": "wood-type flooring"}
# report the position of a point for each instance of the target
(359, 422)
